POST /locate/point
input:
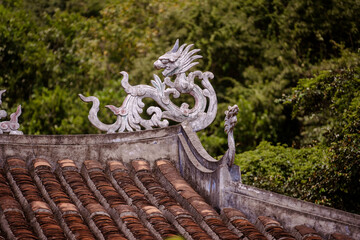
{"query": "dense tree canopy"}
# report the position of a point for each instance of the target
(291, 66)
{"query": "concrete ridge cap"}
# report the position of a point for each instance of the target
(301, 210)
(193, 159)
(168, 131)
(192, 138)
(81, 142)
(255, 193)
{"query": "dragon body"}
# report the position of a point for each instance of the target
(175, 64)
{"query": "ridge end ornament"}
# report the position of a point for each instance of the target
(12, 125)
(175, 63)
(230, 122)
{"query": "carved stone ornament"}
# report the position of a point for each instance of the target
(175, 64)
(230, 122)
(11, 126)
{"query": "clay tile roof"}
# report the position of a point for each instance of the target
(268, 221)
(44, 220)
(195, 202)
(77, 189)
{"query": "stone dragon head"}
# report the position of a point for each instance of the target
(177, 60)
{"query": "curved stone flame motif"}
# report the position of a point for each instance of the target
(11, 126)
(175, 63)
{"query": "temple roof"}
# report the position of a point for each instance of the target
(152, 184)
(148, 184)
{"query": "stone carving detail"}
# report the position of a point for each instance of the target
(11, 126)
(230, 122)
(175, 64)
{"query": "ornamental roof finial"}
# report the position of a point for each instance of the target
(175, 64)
(11, 126)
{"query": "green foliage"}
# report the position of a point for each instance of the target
(46, 57)
(331, 99)
(53, 115)
(23, 56)
(283, 169)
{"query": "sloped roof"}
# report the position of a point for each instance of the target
(144, 185)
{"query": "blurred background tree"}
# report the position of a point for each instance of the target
(291, 66)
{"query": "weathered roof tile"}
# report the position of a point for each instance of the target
(272, 228)
(304, 232)
(237, 219)
(140, 165)
(339, 236)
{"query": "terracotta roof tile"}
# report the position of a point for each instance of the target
(237, 219)
(122, 179)
(339, 236)
(304, 232)
(231, 213)
(66, 163)
(15, 162)
(140, 165)
(116, 165)
(273, 229)
(90, 164)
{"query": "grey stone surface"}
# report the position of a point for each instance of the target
(152, 145)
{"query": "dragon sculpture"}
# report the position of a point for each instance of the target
(11, 126)
(230, 122)
(175, 64)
